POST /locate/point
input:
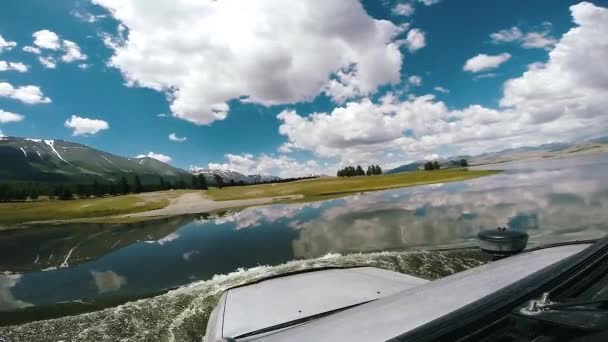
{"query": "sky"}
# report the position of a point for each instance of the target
(298, 88)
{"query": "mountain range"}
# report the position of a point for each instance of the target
(59, 161)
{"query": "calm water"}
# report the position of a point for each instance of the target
(554, 200)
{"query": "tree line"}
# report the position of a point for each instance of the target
(351, 171)
(33, 191)
(124, 186)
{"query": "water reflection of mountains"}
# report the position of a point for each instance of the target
(39, 248)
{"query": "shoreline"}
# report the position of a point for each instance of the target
(179, 203)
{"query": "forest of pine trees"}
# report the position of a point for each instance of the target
(432, 165)
(351, 171)
(124, 186)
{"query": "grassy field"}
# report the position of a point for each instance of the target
(334, 187)
(83, 208)
(107, 209)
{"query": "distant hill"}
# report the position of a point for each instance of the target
(405, 168)
(55, 161)
(228, 176)
(513, 154)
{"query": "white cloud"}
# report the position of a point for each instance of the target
(27, 94)
(404, 9)
(46, 39)
(530, 40)
(85, 126)
(31, 49)
(72, 52)
(16, 66)
(416, 39)
(282, 166)
(56, 48)
(507, 35)
(158, 156)
(48, 62)
(87, 17)
(6, 117)
(415, 80)
(571, 89)
(430, 157)
(174, 137)
(564, 99)
(429, 2)
(441, 89)
(483, 62)
(6, 45)
(266, 52)
(485, 75)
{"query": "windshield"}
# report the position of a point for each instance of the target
(155, 153)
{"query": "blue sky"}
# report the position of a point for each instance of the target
(184, 72)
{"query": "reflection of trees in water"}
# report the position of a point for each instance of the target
(552, 207)
(32, 249)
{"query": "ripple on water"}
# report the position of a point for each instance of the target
(182, 314)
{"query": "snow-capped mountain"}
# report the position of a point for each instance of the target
(229, 175)
(26, 159)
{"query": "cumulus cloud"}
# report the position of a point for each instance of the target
(6, 45)
(174, 137)
(404, 9)
(203, 54)
(29, 94)
(85, 126)
(31, 49)
(441, 89)
(55, 48)
(483, 62)
(48, 62)
(416, 39)
(282, 166)
(46, 39)
(529, 40)
(571, 89)
(415, 80)
(6, 117)
(158, 156)
(563, 99)
(15, 66)
(72, 52)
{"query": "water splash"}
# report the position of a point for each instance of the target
(182, 314)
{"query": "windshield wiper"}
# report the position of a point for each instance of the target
(582, 315)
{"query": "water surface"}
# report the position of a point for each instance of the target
(102, 264)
